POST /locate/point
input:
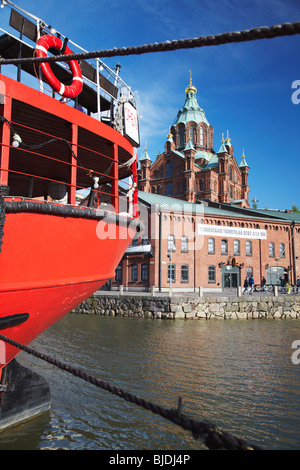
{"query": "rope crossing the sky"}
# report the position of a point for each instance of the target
(264, 32)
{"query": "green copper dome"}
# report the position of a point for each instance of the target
(191, 110)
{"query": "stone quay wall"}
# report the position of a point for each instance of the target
(207, 308)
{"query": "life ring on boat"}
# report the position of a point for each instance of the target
(70, 91)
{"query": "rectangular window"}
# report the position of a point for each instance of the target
(169, 189)
(184, 273)
(171, 272)
(144, 272)
(281, 250)
(236, 247)
(224, 247)
(171, 243)
(272, 250)
(211, 246)
(184, 244)
(211, 274)
(248, 248)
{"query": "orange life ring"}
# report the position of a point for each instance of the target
(70, 91)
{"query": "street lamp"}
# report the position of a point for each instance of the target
(169, 255)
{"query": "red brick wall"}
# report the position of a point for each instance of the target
(198, 259)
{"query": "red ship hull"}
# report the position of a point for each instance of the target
(61, 157)
(50, 263)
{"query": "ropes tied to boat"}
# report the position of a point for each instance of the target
(3, 193)
(70, 91)
(263, 32)
(205, 431)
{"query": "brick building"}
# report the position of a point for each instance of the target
(200, 230)
(212, 245)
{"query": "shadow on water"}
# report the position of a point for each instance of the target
(236, 374)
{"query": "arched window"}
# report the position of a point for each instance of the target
(133, 272)
(184, 273)
(224, 247)
(211, 274)
(181, 136)
(169, 169)
(201, 136)
(192, 134)
(200, 185)
(144, 272)
(118, 276)
(171, 272)
(211, 246)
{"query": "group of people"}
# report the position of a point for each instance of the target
(248, 285)
(285, 287)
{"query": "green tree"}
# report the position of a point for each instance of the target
(295, 208)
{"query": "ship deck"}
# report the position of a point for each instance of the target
(49, 129)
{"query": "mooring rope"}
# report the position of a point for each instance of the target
(263, 32)
(210, 435)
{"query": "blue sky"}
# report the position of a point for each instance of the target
(244, 88)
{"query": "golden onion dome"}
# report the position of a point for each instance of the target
(191, 87)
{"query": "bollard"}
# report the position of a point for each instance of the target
(276, 291)
(200, 291)
(121, 289)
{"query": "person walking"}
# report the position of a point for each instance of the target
(246, 285)
(283, 285)
(251, 285)
(263, 284)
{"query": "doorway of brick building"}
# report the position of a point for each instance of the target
(231, 278)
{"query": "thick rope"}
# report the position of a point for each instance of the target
(264, 32)
(210, 435)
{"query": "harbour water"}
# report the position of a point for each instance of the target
(237, 374)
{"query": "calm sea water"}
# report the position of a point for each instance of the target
(236, 374)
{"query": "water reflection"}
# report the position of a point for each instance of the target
(237, 374)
